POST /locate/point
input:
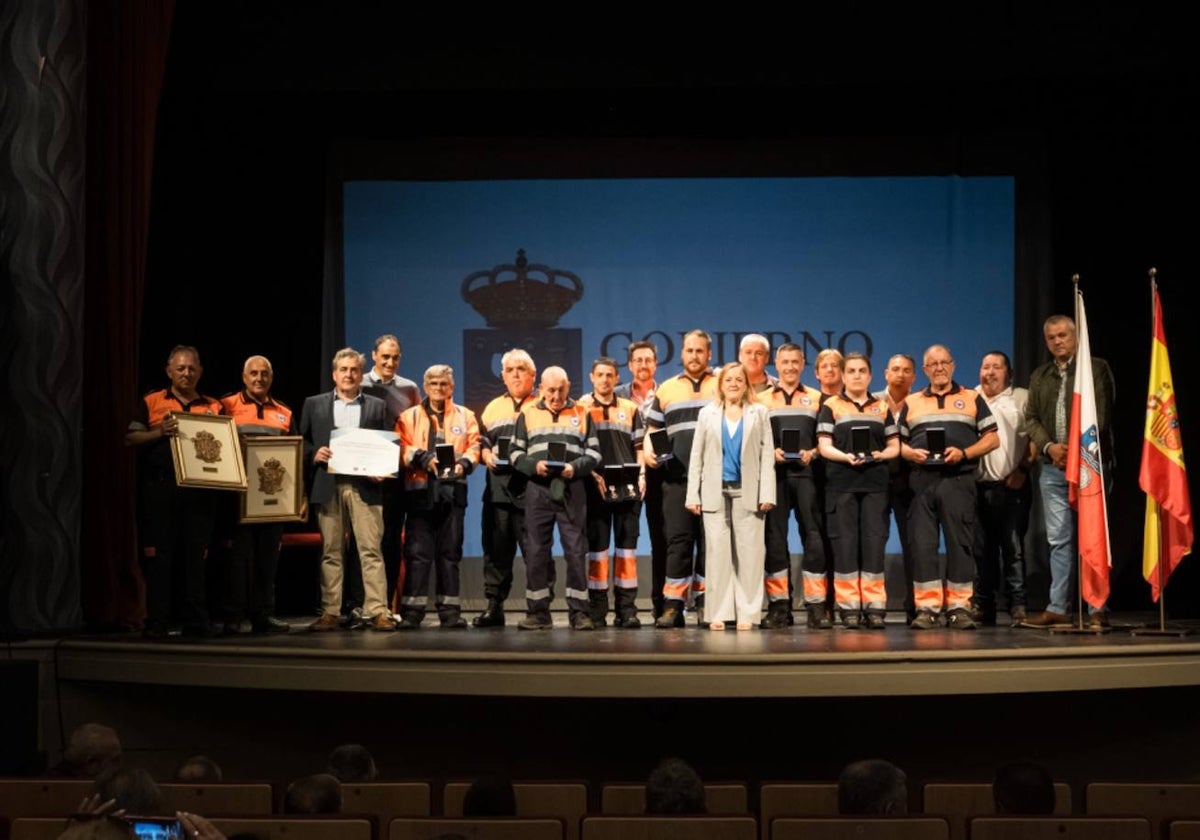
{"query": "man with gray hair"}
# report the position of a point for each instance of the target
(754, 351)
(343, 500)
(436, 497)
(92, 750)
(504, 490)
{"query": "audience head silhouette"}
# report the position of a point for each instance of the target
(872, 788)
(319, 794)
(199, 769)
(91, 750)
(352, 763)
(673, 787)
(134, 790)
(490, 796)
(1023, 787)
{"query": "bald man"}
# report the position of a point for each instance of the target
(555, 495)
(250, 593)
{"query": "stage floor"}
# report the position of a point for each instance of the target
(611, 662)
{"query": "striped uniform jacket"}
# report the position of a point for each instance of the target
(797, 410)
(420, 433)
(961, 412)
(499, 419)
(538, 426)
(618, 427)
(838, 418)
(677, 403)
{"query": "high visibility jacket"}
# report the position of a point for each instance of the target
(152, 410)
(270, 417)
(618, 427)
(797, 410)
(677, 403)
(538, 427)
(961, 412)
(420, 433)
(839, 417)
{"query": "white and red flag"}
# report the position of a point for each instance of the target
(1085, 472)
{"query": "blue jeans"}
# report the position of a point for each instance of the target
(1060, 533)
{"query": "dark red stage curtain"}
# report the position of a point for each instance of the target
(127, 55)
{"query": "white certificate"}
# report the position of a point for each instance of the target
(364, 452)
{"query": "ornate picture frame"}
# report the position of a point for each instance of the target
(207, 453)
(275, 491)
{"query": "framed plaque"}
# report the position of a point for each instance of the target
(275, 491)
(207, 453)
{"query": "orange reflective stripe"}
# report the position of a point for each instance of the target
(697, 586)
(598, 569)
(959, 597)
(927, 598)
(627, 568)
(814, 588)
(675, 590)
(845, 591)
(873, 590)
(776, 585)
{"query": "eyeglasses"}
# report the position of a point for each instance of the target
(936, 365)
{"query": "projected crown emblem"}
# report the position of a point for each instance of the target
(522, 295)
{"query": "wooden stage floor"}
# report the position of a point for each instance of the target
(645, 663)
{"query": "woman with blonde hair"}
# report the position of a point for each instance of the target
(731, 484)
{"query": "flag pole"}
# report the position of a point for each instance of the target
(1079, 607)
(1162, 544)
(1160, 571)
(1078, 627)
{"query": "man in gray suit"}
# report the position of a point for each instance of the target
(341, 499)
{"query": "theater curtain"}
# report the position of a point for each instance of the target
(127, 53)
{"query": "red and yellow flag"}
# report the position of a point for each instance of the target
(1163, 476)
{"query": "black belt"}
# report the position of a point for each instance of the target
(731, 485)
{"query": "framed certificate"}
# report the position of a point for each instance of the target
(206, 452)
(275, 491)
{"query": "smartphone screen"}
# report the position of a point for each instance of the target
(156, 828)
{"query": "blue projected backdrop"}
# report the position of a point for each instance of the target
(879, 265)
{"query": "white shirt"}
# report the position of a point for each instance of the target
(1008, 407)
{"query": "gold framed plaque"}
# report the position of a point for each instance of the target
(275, 466)
(206, 452)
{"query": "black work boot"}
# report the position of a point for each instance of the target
(598, 607)
(818, 618)
(492, 615)
(777, 616)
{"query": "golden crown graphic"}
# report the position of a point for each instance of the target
(522, 295)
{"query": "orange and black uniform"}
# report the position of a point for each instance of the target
(856, 503)
(176, 523)
(250, 590)
(551, 500)
(677, 403)
(434, 535)
(503, 500)
(944, 494)
(796, 493)
(619, 431)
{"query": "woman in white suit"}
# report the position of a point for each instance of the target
(731, 483)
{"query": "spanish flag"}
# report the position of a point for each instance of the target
(1163, 476)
